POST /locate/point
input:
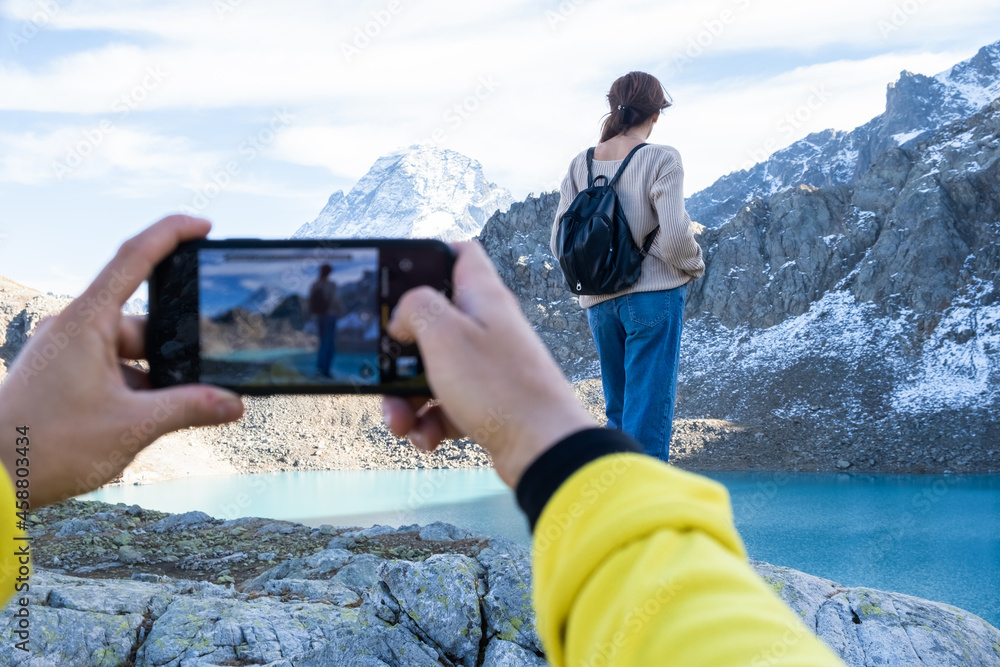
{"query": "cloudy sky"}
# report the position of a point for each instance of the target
(113, 114)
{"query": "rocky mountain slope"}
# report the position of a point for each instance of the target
(124, 585)
(21, 308)
(861, 319)
(324, 432)
(421, 191)
(915, 105)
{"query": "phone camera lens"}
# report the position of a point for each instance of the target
(405, 265)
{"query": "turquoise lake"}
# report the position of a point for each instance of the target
(929, 536)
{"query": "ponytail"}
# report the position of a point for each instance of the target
(634, 99)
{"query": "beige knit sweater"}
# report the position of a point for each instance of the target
(651, 192)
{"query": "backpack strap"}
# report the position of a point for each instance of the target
(590, 167)
(628, 158)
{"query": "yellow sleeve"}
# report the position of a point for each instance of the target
(10, 541)
(638, 563)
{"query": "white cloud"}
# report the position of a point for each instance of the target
(346, 151)
(553, 61)
(100, 152)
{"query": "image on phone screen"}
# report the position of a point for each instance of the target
(289, 316)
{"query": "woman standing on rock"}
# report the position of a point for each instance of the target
(638, 331)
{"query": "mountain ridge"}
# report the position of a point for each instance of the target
(915, 105)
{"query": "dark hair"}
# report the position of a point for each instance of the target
(634, 99)
(325, 270)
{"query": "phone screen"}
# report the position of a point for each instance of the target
(297, 316)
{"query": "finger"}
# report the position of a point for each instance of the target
(136, 258)
(136, 378)
(432, 427)
(476, 277)
(399, 415)
(132, 337)
(186, 405)
(424, 313)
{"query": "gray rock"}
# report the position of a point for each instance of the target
(101, 596)
(262, 630)
(282, 528)
(61, 637)
(363, 572)
(130, 555)
(322, 564)
(97, 567)
(82, 621)
(373, 531)
(442, 532)
(868, 627)
(500, 653)
(243, 521)
(331, 592)
(371, 643)
(507, 602)
(74, 525)
(184, 521)
(441, 597)
(340, 542)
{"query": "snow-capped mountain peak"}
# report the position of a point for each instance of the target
(421, 191)
(915, 105)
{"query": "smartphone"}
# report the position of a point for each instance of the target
(290, 316)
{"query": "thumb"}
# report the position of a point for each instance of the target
(179, 407)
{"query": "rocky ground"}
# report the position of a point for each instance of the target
(117, 585)
(300, 433)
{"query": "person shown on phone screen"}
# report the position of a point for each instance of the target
(325, 306)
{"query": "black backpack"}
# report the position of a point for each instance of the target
(318, 302)
(594, 243)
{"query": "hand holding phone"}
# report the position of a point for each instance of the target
(493, 378)
(290, 316)
(80, 413)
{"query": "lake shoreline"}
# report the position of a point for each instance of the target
(283, 434)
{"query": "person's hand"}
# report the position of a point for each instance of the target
(87, 414)
(493, 378)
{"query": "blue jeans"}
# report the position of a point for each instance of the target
(638, 339)
(327, 343)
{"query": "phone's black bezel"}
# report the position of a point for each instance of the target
(174, 352)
